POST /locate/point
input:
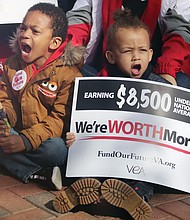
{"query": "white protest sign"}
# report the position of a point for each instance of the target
(133, 129)
(13, 11)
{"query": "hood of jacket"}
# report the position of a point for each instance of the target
(71, 55)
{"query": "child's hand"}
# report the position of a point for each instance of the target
(4, 130)
(12, 144)
(5, 127)
(70, 138)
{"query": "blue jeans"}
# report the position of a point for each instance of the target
(183, 80)
(52, 152)
(88, 71)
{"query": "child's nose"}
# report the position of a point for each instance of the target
(26, 33)
(136, 56)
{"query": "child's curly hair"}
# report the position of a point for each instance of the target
(58, 18)
(123, 19)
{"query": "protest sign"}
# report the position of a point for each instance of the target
(133, 129)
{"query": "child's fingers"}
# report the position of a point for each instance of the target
(2, 122)
(70, 135)
(3, 128)
(70, 142)
(7, 133)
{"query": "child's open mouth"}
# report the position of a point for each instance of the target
(136, 69)
(26, 48)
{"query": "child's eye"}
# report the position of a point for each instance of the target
(126, 51)
(22, 28)
(35, 31)
(144, 50)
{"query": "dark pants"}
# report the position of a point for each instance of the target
(52, 152)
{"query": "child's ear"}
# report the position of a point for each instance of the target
(110, 57)
(55, 43)
(150, 54)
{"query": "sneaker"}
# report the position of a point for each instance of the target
(143, 189)
(121, 195)
(52, 176)
(82, 192)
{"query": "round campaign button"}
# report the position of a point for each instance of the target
(19, 80)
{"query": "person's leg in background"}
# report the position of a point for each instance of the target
(183, 80)
(88, 71)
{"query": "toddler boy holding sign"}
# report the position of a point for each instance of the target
(128, 54)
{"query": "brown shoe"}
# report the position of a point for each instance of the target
(82, 192)
(120, 194)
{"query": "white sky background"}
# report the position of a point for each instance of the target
(13, 11)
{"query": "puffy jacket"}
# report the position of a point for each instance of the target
(40, 108)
